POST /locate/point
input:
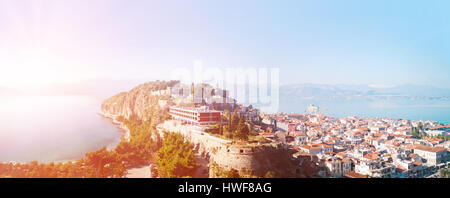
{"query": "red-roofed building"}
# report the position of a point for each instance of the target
(353, 174)
(433, 155)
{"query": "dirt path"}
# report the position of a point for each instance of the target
(203, 170)
(141, 172)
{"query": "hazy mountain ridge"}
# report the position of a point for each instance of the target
(107, 87)
(322, 90)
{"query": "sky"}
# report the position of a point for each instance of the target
(379, 42)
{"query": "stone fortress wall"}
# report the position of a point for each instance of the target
(248, 159)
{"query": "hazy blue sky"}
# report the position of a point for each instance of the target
(349, 42)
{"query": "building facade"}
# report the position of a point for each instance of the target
(433, 155)
(195, 116)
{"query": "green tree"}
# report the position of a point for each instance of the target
(444, 173)
(226, 115)
(175, 159)
(242, 129)
(233, 121)
(420, 126)
(220, 129)
(415, 132)
(270, 174)
(233, 173)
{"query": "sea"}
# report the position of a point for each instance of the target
(419, 109)
(53, 128)
(61, 128)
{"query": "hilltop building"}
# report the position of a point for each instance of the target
(195, 116)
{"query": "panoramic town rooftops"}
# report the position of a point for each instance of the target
(429, 149)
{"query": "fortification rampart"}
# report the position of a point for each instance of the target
(248, 159)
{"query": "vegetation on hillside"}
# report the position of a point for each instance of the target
(237, 127)
(139, 150)
(175, 158)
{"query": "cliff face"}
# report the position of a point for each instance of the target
(137, 101)
(247, 159)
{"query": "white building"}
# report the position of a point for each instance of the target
(432, 155)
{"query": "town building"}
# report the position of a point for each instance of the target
(195, 116)
(432, 155)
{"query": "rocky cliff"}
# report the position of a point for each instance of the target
(138, 101)
(249, 160)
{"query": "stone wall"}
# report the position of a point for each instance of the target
(248, 159)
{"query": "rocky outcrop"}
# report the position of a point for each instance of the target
(248, 159)
(138, 101)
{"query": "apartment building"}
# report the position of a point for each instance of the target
(432, 155)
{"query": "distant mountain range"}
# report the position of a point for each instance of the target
(327, 91)
(104, 88)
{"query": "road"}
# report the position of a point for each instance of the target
(141, 172)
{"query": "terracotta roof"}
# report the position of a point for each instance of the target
(429, 149)
(353, 174)
(346, 159)
(439, 127)
(371, 156)
(340, 154)
(305, 147)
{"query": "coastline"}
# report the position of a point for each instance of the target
(120, 125)
(125, 135)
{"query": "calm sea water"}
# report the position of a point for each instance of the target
(437, 110)
(59, 128)
(53, 128)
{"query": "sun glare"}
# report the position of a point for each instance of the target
(36, 68)
(31, 54)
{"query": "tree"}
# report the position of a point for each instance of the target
(175, 159)
(420, 127)
(242, 129)
(233, 173)
(444, 173)
(119, 171)
(139, 150)
(416, 133)
(220, 129)
(233, 121)
(226, 115)
(270, 174)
